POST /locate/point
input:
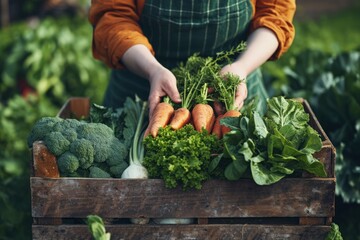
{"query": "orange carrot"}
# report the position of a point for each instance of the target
(230, 113)
(181, 117)
(203, 117)
(209, 127)
(217, 127)
(160, 118)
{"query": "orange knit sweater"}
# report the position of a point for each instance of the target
(116, 26)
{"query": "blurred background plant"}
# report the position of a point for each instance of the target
(45, 58)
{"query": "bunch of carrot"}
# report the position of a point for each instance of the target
(193, 80)
(225, 91)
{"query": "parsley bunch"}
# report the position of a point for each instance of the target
(180, 157)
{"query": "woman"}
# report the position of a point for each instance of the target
(142, 39)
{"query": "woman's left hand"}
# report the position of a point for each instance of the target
(241, 93)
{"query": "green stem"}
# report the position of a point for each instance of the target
(136, 149)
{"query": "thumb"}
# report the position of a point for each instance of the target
(174, 94)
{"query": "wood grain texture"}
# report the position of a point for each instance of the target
(130, 198)
(166, 232)
(44, 162)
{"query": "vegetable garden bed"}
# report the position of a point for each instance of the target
(293, 208)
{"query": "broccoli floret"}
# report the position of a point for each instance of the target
(56, 143)
(118, 152)
(84, 151)
(100, 135)
(96, 172)
(41, 128)
(90, 130)
(117, 170)
(69, 123)
(68, 163)
(70, 134)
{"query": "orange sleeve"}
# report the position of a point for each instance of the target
(277, 16)
(115, 29)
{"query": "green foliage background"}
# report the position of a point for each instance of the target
(51, 59)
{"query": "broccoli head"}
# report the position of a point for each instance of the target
(56, 143)
(117, 152)
(96, 172)
(68, 163)
(41, 128)
(84, 151)
(100, 135)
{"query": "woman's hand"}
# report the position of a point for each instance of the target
(241, 92)
(139, 60)
(162, 83)
(261, 44)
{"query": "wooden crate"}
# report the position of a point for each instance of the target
(294, 208)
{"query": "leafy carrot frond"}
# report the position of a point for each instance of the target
(198, 70)
(202, 97)
(226, 89)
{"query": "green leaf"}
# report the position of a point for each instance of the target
(232, 143)
(231, 122)
(263, 176)
(312, 142)
(283, 112)
(260, 129)
(232, 173)
(312, 165)
(281, 168)
(215, 162)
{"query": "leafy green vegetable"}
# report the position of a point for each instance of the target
(123, 121)
(90, 145)
(180, 157)
(272, 146)
(334, 233)
(331, 84)
(97, 228)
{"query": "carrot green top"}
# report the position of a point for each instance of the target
(117, 26)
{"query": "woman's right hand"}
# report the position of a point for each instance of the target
(162, 83)
(139, 60)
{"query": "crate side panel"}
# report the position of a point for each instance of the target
(75, 107)
(165, 232)
(119, 198)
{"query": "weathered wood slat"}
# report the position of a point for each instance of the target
(119, 198)
(75, 107)
(165, 232)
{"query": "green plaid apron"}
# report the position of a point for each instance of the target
(177, 29)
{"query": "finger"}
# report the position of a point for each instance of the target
(240, 96)
(174, 96)
(153, 102)
(173, 93)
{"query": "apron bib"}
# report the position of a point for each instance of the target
(177, 29)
